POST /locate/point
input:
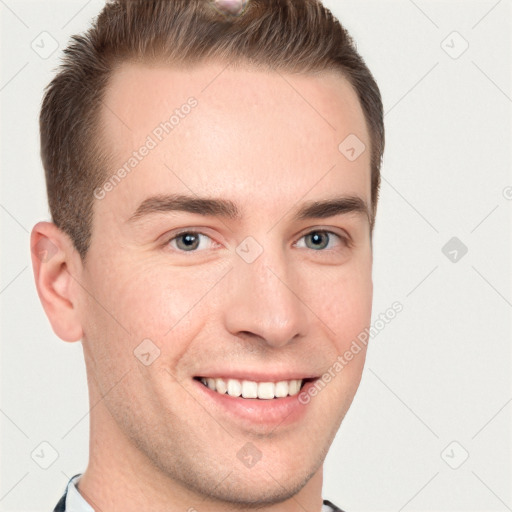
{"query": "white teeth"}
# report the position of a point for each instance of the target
(211, 384)
(234, 387)
(252, 389)
(282, 388)
(220, 386)
(294, 387)
(266, 390)
(249, 389)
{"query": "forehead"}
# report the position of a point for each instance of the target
(257, 136)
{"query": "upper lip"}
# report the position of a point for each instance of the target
(257, 376)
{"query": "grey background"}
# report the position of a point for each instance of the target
(437, 385)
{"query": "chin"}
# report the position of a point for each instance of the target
(268, 486)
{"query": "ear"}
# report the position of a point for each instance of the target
(55, 262)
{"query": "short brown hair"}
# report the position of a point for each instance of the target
(288, 35)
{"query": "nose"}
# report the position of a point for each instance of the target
(263, 302)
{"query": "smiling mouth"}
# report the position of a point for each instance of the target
(252, 389)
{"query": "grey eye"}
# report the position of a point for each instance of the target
(187, 241)
(317, 240)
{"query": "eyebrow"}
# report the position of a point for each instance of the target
(212, 207)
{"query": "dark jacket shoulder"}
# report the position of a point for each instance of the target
(333, 506)
(61, 506)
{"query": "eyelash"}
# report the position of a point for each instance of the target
(345, 240)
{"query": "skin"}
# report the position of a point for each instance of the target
(156, 442)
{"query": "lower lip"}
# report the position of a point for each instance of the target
(274, 412)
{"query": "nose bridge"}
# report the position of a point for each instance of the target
(263, 300)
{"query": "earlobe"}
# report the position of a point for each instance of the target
(54, 260)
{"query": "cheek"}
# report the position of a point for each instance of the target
(344, 306)
(342, 298)
(158, 299)
(150, 299)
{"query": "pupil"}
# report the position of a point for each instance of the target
(319, 240)
(189, 240)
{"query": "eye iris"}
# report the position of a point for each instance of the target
(317, 237)
(190, 241)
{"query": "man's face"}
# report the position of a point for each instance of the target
(264, 296)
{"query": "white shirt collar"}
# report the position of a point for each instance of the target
(74, 500)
